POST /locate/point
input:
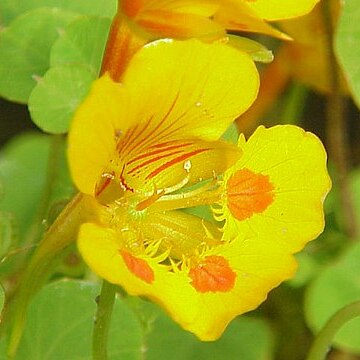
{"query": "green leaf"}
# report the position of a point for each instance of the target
(307, 269)
(23, 163)
(10, 9)
(337, 286)
(346, 45)
(245, 338)
(25, 50)
(56, 97)
(60, 321)
(23, 173)
(82, 42)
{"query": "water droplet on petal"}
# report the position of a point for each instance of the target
(187, 165)
(108, 176)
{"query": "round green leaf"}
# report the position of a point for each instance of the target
(10, 9)
(56, 97)
(60, 321)
(336, 287)
(25, 50)
(24, 163)
(82, 42)
(245, 338)
(347, 45)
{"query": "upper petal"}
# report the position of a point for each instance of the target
(277, 188)
(196, 89)
(171, 91)
(281, 9)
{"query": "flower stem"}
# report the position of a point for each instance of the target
(103, 320)
(62, 233)
(322, 343)
(336, 130)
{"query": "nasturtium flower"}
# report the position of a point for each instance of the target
(149, 147)
(209, 19)
(138, 22)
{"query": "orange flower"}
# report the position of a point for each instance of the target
(140, 21)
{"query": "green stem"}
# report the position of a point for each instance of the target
(103, 320)
(322, 343)
(61, 234)
(336, 130)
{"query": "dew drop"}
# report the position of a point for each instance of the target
(187, 165)
(118, 133)
(198, 104)
(108, 176)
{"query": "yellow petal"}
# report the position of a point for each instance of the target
(239, 16)
(257, 268)
(196, 89)
(281, 9)
(171, 91)
(277, 188)
(92, 133)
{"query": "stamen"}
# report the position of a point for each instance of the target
(149, 201)
(208, 193)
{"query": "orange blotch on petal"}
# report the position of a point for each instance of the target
(248, 193)
(213, 274)
(139, 267)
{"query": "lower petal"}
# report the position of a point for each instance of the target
(256, 267)
(283, 198)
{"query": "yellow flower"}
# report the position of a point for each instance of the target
(149, 147)
(209, 19)
(140, 21)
